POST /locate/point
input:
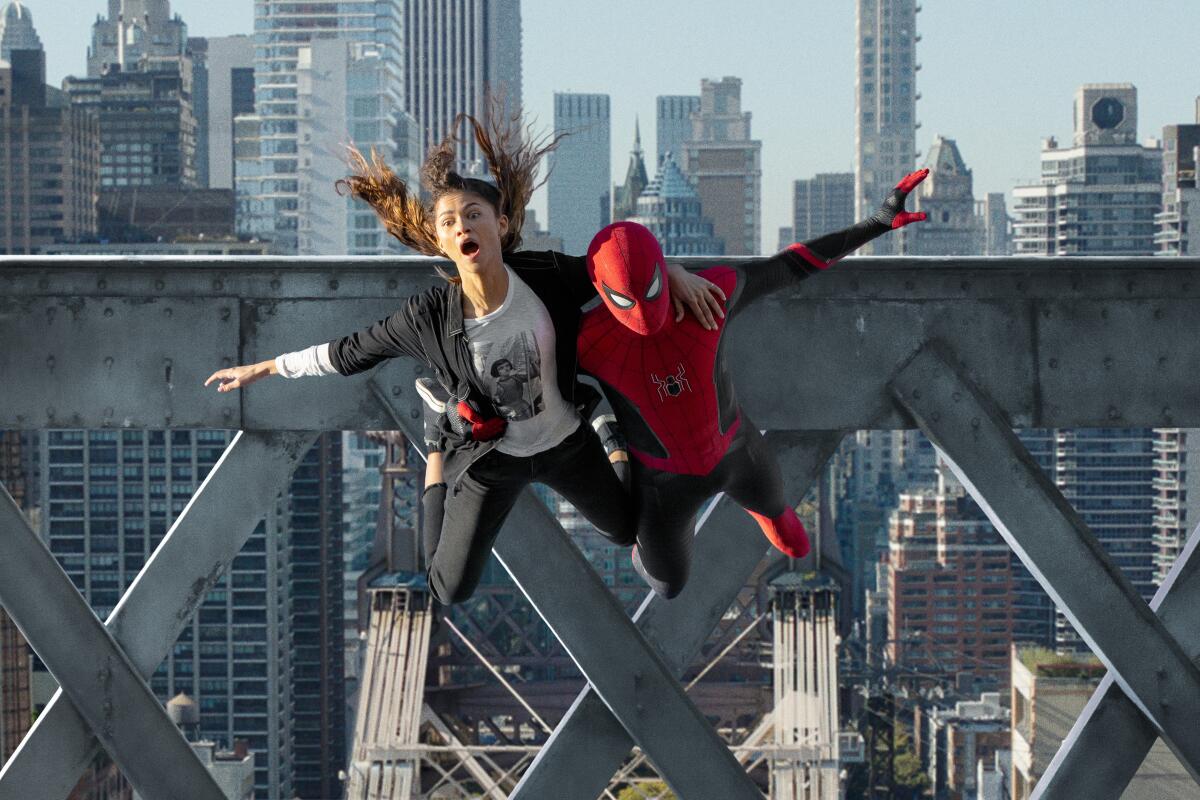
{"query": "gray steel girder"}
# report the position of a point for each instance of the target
(1111, 738)
(104, 686)
(589, 745)
(201, 543)
(1070, 342)
(1055, 545)
(635, 684)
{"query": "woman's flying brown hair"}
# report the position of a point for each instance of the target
(511, 150)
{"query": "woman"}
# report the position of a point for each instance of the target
(503, 305)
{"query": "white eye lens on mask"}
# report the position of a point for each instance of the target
(619, 300)
(655, 285)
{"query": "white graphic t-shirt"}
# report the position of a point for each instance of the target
(513, 353)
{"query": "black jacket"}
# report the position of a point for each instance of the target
(430, 329)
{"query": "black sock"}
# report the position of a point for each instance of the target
(623, 472)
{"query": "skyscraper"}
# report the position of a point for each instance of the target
(670, 207)
(1107, 475)
(457, 52)
(1176, 494)
(228, 63)
(147, 125)
(821, 204)
(16, 30)
(267, 145)
(946, 195)
(49, 161)
(885, 100)
(725, 166)
(347, 96)
(674, 124)
(1100, 196)
(1180, 216)
(580, 180)
(317, 641)
(263, 654)
(16, 704)
(138, 34)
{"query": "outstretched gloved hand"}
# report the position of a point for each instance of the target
(892, 212)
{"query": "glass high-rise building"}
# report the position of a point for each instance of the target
(269, 162)
(1099, 197)
(673, 124)
(885, 101)
(262, 657)
(347, 96)
(578, 190)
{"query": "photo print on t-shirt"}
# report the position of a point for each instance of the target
(512, 371)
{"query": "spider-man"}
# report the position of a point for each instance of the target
(669, 385)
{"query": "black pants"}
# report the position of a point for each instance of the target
(667, 504)
(458, 534)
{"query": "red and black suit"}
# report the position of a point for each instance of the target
(669, 385)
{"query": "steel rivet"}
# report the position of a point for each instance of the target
(333, 285)
(974, 422)
(275, 283)
(168, 311)
(102, 284)
(108, 312)
(108, 361)
(159, 285)
(414, 413)
(50, 363)
(218, 285)
(396, 391)
(1054, 363)
(392, 284)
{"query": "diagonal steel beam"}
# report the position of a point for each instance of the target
(639, 689)
(1111, 738)
(91, 668)
(589, 744)
(1055, 545)
(156, 607)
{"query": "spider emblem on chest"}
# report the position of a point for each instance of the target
(673, 385)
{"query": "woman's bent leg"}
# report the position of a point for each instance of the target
(472, 519)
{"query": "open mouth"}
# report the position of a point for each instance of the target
(470, 248)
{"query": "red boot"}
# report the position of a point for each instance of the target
(785, 532)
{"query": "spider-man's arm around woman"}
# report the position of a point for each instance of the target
(803, 259)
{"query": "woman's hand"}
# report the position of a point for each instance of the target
(704, 298)
(239, 377)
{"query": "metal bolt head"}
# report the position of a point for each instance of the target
(108, 312)
(1054, 363)
(392, 284)
(333, 284)
(396, 391)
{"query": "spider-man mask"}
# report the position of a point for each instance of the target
(626, 266)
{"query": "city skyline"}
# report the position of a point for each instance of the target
(1030, 68)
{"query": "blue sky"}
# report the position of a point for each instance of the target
(996, 76)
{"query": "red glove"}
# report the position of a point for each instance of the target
(482, 430)
(898, 196)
